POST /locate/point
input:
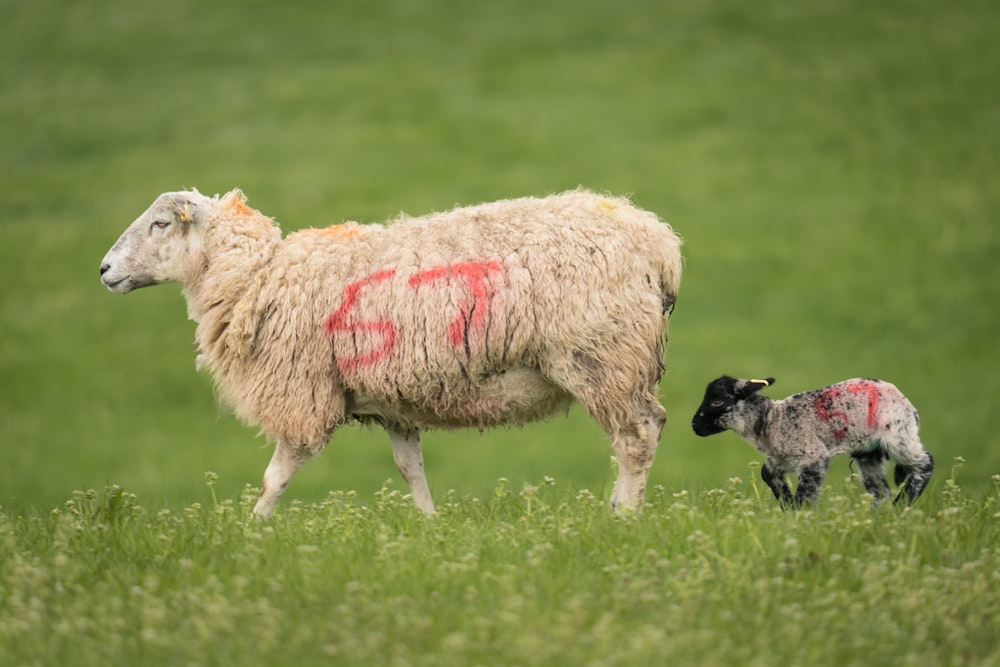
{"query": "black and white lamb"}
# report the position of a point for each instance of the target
(869, 419)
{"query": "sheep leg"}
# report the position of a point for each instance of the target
(634, 449)
(916, 478)
(871, 467)
(624, 404)
(774, 477)
(810, 478)
(410, 461)
(285, 461)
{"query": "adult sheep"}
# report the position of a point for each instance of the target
(501, 313)
(869, 419)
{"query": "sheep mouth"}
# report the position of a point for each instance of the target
(119, 286)
(705, 429)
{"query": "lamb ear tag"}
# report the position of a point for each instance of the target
(186, 213)
(766, 383)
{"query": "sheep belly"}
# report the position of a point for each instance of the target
(511, 397)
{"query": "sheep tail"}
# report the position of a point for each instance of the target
(669, 302)
(670, 263)
(669, 280)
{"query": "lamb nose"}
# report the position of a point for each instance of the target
(104, 268)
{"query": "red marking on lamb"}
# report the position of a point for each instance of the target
(826, 413)
(872, 391)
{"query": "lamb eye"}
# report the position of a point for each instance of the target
(716, 403)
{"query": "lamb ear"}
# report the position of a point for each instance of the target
(753, 386)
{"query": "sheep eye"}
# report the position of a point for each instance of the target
(161, 224)
(716, 403)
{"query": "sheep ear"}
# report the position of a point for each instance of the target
(753, 386)
(187, 210)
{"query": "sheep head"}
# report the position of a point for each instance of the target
(720, 409)
(164, 244)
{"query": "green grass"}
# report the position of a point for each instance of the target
(831, 166)
(533, 576)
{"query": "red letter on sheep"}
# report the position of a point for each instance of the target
(337, 322)
(476, 275)
(872, 391)
(826, 413)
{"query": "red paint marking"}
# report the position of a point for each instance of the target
(337, 322)
(472, 314)
(826, 413)
(429, 276)
(872, 390)
(476, 276)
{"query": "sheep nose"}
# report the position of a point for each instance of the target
(104, 268)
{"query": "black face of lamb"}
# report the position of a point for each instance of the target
(720, 397)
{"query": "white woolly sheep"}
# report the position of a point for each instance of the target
(869, 419)
(496, 314)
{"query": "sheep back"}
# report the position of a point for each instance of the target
(461, 318)
(855, 416)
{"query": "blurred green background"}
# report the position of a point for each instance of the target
(832, 166)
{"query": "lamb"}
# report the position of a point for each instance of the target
(869, 419)
(497, 314)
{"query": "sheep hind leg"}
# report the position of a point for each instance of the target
(410, 461)
(635, 444)
(871, 467)
(285, 462)
(624, 404)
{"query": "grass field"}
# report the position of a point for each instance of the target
(529, 576)
(830, 165)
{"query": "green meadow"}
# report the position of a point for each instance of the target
(831, 167)
(525, 575)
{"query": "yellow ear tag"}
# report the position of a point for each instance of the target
(763, 382)
(186, 214)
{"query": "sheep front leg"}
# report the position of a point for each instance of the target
(287, 459)
(774, 477)
(410, 461)
(810, 478)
